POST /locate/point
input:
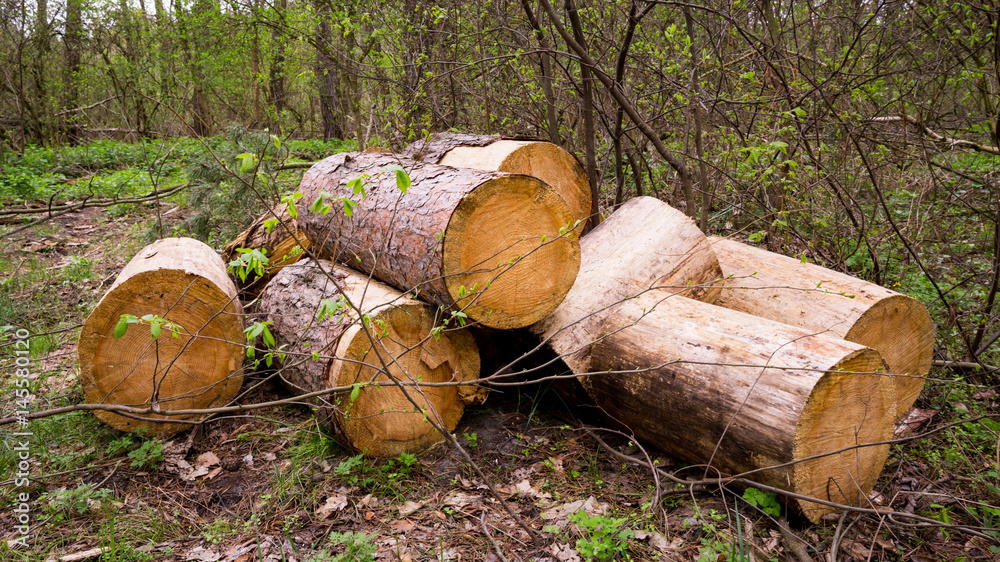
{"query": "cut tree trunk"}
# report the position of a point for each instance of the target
(781, 288)
(278, 244)
(697, 385)
(338, 351)
(184, 282)
(643, 245)
(487, 245)
(538, 158)
(741, 394)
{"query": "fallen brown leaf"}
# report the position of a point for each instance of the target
(333, 503)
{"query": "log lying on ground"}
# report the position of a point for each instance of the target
(644, 244)
(277, 243)
(767, 416)
(780, 288)
(486, 244)
(717, 387)
(184, 282)
(541, 159)
(380, 421)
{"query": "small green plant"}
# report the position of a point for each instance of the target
(63, 503)
(766, 501)
(260, 329)
(79, 268)
(716, 545)
(601, 537)
(471, 439)
(347, 466)
(218, 530)
(148, 455)
(355, 547)
(249, 261)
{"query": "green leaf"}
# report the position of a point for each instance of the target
(317, 205)
(269, 224)
(403, 181)
(289, 201)
(247, 162)
(121, 327)
(154, 329)
(268, 339)
(355, 392)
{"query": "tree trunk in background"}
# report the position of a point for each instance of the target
(414, 68)
(73, 42)
(588, 118)
(202, 111)
(130, 89)
(277, 73)
(255, 119)
(551, 120)
(193, 47)
(165, 45)
(326, 76)
(695, 108)
(40, 105)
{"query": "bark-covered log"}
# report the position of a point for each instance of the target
(702, 370)
(644, 244)
(485, 244)
(184, 282)
(278, 243)
(338, 351)
(717, 387)
(533, 157)
(781, 288)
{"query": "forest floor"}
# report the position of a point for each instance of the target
(272, 485)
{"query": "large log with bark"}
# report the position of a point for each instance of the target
(533, 157)
(314, 309)
(495, 247)
(781, 288)
(740, 394)
(645, 244)
(181, 281)
(277, 235)
(711, 385)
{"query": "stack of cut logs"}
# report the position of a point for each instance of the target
(721, 354)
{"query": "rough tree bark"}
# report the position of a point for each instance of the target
(184, 282)
(488, 245)
(784, 289)
(338, 350)
(539, 159)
